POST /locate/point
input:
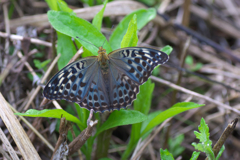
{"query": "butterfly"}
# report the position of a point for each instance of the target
(105, 82)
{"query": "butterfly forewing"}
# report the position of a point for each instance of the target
(137, 63)
(71, 83)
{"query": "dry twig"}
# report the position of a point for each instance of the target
(79, 141)
(21, 139)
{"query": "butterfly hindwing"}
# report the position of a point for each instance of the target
(122, 89)
(97, 96)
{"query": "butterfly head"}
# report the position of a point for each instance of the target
(102, 56)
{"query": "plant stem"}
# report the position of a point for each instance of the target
(103, 141)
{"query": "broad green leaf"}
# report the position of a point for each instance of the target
(73, 26)
(167, 49)
(97, 20)
(143, 17)
(105, 159)
(86, 53)
(66, 48)
(51, 113)
(144, 98)
(195, 155)
(52, 4)
(83, 114)
(165, 155)
(143, 101)
(142, 104)
(122, 117)
(174, 110)
(130, 39)
(65, 45)
(149, 119)
(62, 6)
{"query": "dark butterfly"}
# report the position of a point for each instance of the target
(107, 81)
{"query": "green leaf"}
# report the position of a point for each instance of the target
(143, 17)
(89, 2)
(83, 114)
(73, 26)
(39, 64)
(144, 98)
(52, 4)
(167, 49)
(189, 60)
(38, 55)
(165, 155)
(174, 110)
(174, 145)
(105, 159)
(62, 6)
(66, 48)
(149, 119)
(86, 52)
(204, 134)
(97, 20)
(30, 76)
(149, 2)
(198, 146)
(51, 113)
(195, 155)
(205, 144)
(122, 117)
(142, 104)
(196, 67)
(130, 39)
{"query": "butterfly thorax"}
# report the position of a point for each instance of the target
(103, 60)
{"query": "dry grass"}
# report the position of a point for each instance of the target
(206, 32)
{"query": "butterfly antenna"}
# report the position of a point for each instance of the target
(86, 41)
(104, 42)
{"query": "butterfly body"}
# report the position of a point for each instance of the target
(107, 81)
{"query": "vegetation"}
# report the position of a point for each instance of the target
(157, 115)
